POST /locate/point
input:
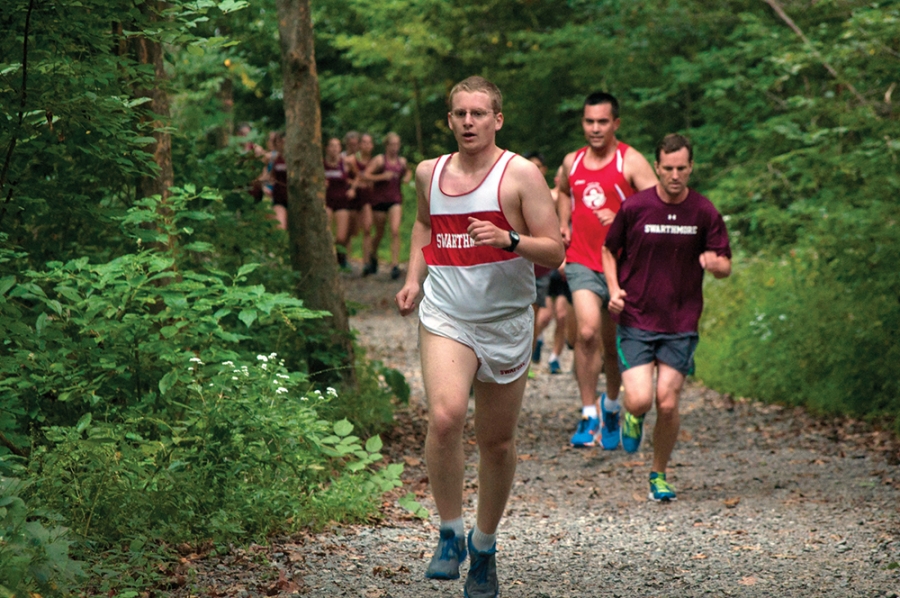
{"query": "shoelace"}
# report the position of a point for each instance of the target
(480, 568)
(448, 550)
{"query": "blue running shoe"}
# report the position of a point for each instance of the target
(554, 367)
(481, 582)
(450, 552)
(660, 489)
(536, 354)
(584, 434)
(632, 430)
(609, 427)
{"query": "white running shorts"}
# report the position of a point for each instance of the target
(503, 347)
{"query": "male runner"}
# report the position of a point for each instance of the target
(484, 215)
(598, 178)
(656, 252)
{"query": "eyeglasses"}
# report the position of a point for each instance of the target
(476, 114)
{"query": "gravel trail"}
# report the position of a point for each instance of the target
(771, 502)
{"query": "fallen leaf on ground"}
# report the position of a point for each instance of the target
(748, 581)
(732, 502)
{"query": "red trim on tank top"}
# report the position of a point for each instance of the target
(613, 159)
(441, 188)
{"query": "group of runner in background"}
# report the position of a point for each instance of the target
(363, 191)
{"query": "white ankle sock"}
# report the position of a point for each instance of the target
(456, 525)
(554, 357)
(482, 541)
(589, 411)
(611, 405)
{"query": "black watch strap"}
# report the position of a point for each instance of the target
(513, 241)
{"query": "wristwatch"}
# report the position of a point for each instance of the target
(513, 241)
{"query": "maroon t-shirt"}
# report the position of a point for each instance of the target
(658, 246)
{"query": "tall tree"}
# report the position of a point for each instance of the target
(312, 253)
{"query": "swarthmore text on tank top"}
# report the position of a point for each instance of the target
(658, 246)
(469, 282)
(594, 190)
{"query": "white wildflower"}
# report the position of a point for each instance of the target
(281, 390)
(331, 392)
(264, 366)
(304, 398)
(234, 377)
(231, 363)
(262, 358)
(273, 355)
(196, 360)
(190, 369)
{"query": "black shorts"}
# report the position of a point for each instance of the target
(384, 206)
(559, 286)
(639, 347)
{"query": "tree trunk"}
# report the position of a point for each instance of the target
(312, 247)
(151, 52)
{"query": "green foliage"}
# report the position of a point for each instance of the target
(247, 456)
(32, 557)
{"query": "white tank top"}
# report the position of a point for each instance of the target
(475, 284)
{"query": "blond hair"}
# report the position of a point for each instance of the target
(475, 84)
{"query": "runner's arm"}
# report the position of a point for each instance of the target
(408, 296)
(637, 171)
(615, 241)
(564, 201)
(611, 271)
(375, 170)
(540, 241)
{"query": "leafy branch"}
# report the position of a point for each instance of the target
(779, 10)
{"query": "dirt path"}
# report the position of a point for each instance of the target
(770, 503)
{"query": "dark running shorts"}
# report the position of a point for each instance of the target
(384, 206)
(559, 286)
(638, 347)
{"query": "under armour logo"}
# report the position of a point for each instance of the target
(671, 216)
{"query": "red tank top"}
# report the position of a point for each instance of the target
(594, 190)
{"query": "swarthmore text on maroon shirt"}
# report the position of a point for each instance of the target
(658, 247)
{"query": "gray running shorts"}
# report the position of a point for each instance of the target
(583, 278)
(639, 347)
(542, 288)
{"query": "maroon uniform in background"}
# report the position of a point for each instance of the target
(658, 247)
(337, 181)
(388, 193)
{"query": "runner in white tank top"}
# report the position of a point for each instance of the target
(484, 215)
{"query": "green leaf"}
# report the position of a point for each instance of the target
(343, 428)
(40, 323)
(374, 444)
(83, 423)
(168, 381)
(195, 50)
(6, 283)
(227, 6)
(246, 269)
(247, 316)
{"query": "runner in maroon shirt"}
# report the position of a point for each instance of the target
(654, 258)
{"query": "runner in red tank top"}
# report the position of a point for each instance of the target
(598, 178)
